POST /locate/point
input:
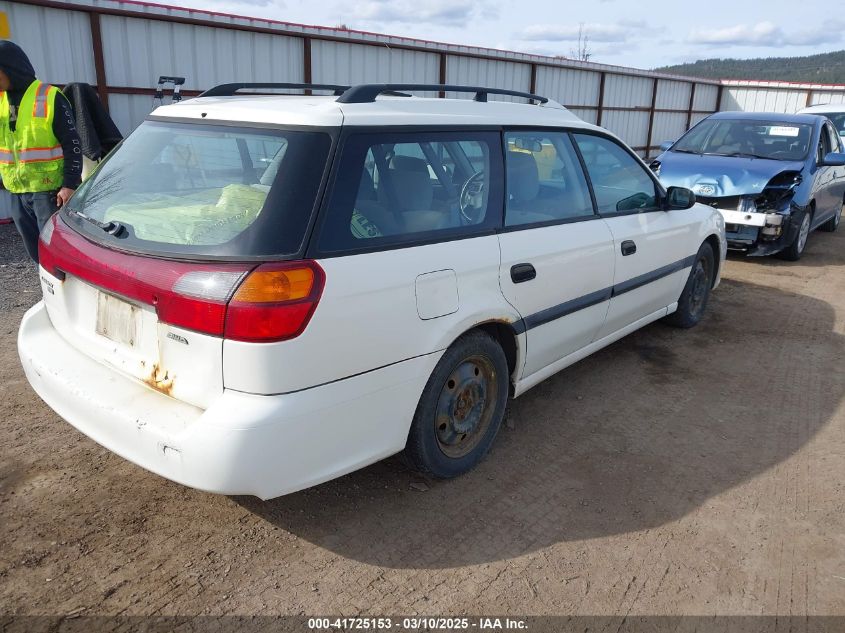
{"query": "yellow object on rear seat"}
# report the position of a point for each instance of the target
(208, 217)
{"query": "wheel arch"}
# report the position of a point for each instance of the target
(713, 241)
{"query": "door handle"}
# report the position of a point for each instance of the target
(522, 272)
(628, 248)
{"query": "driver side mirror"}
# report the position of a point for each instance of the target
(679, 198)
(665, 145)
(834, 159)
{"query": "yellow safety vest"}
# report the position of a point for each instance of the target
(31, 157)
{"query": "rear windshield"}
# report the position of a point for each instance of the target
(206, 190)
(747, 138)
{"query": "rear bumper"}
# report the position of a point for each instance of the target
(243, 443)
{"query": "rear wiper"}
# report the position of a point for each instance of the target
(112, 228)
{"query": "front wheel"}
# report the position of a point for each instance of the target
(694, 297)
(794, 251)
(461, 408)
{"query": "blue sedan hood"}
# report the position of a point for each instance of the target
(718, 176)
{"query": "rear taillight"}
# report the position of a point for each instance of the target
(241, 301)
(275, 302)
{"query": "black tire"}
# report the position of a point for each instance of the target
(461, 408)
(833, 223)
(793, 252)
(693, 299)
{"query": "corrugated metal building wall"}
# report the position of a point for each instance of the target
(777, 96)
(123, 47)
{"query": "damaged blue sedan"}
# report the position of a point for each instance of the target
(774, 177)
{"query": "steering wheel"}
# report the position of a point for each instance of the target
(471, 202)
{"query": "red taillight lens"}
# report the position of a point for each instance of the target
(275, 302)
(241, 301)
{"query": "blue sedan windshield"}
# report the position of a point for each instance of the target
(747, 138)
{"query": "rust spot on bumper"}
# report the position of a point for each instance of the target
(160, 379)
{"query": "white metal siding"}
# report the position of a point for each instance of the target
(568, 86)
(820, 98)
(631, 127)
(138, 51)
(668, 126)
(763, 99)
(590, 116)
(706, 96)
(625, 91)
(482, 72)
(128, 111)
(672, 95)
(696, 118)
(57, 42)
(341, 63)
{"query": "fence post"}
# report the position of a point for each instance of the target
(691, 104)
(306, 62)
(99, 61)
(651, 116)
(442, 93)
(600, 114)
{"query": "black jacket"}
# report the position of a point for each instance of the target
(97, 131)
(17, 67)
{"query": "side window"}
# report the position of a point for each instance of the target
(406, 188)
(824, 145)
(833, 136)
(544, 179)
(620, 183)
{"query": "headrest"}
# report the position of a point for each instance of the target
(523, 178)
(410, 163)
(413, 190)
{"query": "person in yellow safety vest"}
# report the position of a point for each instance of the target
(40, 152)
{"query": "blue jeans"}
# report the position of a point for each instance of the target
(30, 211)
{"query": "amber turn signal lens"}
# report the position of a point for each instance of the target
(274, 286)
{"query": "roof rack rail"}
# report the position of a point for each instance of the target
(367, 93)
(228, 90)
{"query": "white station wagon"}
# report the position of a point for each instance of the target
(256, 293)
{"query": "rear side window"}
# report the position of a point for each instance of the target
(545, 182)
(410, 188)
(621, 184)
(207, 190)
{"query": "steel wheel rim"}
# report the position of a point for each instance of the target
(803, 233)
(698, 292)
(465, 406)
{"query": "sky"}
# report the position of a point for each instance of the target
(643, 34)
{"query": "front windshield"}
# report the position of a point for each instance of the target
(206, 189)
(748, 138)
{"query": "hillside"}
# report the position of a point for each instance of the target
(828, 68)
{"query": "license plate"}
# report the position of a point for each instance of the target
(117, 320)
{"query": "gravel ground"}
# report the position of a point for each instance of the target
(675, 472)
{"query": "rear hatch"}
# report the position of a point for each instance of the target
(183, 238)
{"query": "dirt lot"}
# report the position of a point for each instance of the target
(676, 472)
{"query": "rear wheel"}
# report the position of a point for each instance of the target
(461, 408)
(694, 297)
(794, 251)
(833, 223)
